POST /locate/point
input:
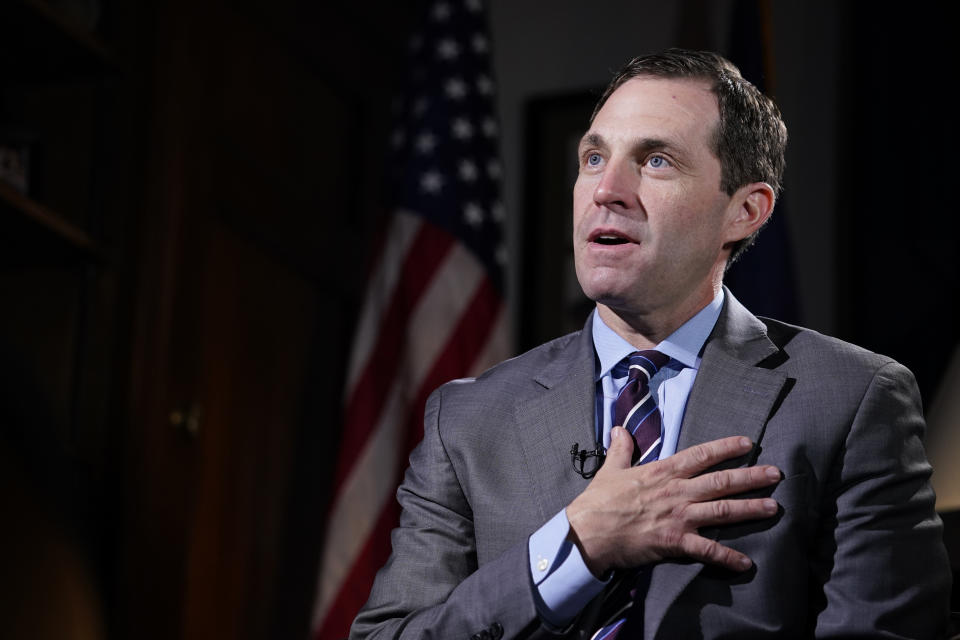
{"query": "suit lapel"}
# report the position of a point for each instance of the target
(551, 421)
(731, 396)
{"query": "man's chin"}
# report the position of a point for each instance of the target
(605, 291)
(618, 306)
(615, 298)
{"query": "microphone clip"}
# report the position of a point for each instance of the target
(579, 459)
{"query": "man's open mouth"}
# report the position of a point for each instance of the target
(609, 239)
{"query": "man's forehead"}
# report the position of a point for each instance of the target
(683, 83)
(672, 93)
(668, 109)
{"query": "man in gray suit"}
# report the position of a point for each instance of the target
(791, 494)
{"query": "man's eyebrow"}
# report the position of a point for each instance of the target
(592, 139)
(653, 144)
(642, 145)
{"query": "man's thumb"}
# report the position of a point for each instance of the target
(621, 448)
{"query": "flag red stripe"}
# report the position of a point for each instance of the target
(366, 401)
(355, 591)
(465, 344)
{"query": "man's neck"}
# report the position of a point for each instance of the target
(645, 330)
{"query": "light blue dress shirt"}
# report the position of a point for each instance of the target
(564, 584)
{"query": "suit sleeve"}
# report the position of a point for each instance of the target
(431, 587)
(880, 557)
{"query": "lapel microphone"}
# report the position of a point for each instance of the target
(588, 470)
(579, 459)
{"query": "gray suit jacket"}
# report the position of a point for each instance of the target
(856, 550)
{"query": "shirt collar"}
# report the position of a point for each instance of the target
(683, 345)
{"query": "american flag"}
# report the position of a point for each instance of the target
(434, 307)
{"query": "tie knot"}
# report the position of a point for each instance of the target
(646, 363)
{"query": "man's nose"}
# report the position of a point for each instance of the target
(618, 185)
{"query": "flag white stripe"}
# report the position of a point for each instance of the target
(360, 500)
(497, 346)
(403, 229)
(439, 311)
(371, 482)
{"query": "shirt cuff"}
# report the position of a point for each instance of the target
(563, 583)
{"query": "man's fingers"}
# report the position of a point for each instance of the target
(690, 462)
(729, 482)
(712, 552)
(716, 512)
(621, 448)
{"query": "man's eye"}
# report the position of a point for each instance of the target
(593, 159)
(658, 162)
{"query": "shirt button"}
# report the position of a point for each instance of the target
(542, 564)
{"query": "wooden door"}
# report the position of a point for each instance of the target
(261, 186)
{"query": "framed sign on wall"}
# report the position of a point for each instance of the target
(551, 301)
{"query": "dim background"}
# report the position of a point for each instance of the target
(183, 263)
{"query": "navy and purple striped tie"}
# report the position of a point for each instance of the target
(636, 411)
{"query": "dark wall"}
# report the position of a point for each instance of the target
(898, 250)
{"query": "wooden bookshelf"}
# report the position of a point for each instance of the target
(33, 234)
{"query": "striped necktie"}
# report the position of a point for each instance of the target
(635, 409)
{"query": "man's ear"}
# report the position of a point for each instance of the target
(751, 205)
